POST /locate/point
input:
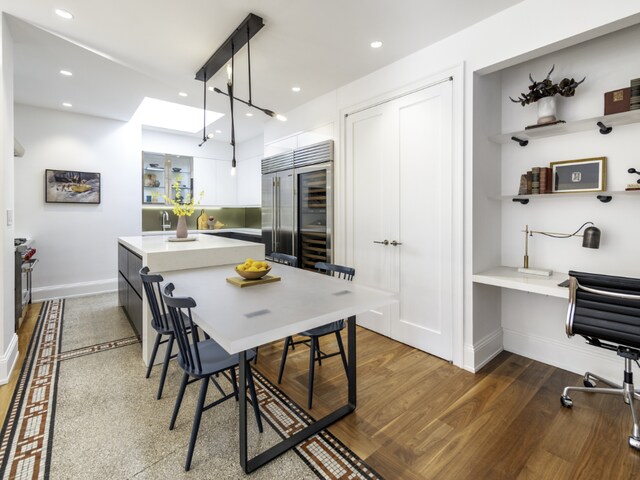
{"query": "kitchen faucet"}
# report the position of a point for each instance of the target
(166, 223)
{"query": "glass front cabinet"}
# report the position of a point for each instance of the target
(163, 175)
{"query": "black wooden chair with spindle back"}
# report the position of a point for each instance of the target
(201, 360)
(159, 322)
(314, 335)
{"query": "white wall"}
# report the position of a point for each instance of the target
(76, 244)
(8, 339)
(505, 39)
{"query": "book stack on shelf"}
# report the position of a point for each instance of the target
(635, 94)
(536, 181)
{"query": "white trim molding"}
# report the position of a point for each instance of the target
(483, 351)
(8, 360)
(571, 354)
(74, 289)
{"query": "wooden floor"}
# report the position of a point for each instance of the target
(420, 418)
(24, 336)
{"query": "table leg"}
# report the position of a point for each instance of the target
(250, 465)
(242, 392)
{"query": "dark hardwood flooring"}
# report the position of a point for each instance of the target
(419, 417)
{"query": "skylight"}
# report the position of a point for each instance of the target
(173, 116)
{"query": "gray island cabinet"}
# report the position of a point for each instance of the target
(161, 255)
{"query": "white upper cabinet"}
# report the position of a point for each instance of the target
(249, 178)
(204, 180)
(225, 184)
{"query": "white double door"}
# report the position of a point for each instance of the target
(399, 209)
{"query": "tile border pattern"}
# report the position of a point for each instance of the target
(27, 434)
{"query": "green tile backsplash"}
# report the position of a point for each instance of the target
(231, 217)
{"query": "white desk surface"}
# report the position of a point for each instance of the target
(243, 318)
(509, 277)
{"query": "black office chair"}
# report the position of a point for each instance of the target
(201, 360)
(605, 310)
(314, 335)
(159, 322)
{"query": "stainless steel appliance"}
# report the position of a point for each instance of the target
(24, 263)
(297, 206)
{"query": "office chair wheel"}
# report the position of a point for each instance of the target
(566, 401)
(589, 383)
(634, 442)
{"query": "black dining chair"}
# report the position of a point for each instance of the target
(313, 336)
(605, 311)
(159, 322)
(201, 360)
(284, 259)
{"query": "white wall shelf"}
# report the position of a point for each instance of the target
(624, 118)
(561, 196)
(509, 277)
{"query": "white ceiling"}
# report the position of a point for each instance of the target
(122, 50)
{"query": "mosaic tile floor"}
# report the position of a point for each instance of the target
(83, 409)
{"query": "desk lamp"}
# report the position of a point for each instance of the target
(590, 239)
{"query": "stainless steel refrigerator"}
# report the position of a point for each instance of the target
(297, 206)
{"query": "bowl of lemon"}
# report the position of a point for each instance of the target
(253, 269)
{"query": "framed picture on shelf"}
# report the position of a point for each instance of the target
(64, 186)
(584, 175)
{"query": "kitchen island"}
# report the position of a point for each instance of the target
(161, 255)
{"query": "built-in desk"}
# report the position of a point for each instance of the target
(509, 277)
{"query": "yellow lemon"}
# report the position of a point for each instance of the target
(262, 269)
(249, 261)
(241, 267)
(252, 269)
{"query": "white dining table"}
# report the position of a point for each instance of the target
(240, 319)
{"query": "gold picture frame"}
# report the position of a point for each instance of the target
(582, 175)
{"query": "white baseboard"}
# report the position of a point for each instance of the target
(482, 352)
(570, 354)
(74, 290)
(8, 360)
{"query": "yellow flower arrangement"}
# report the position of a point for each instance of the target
(183, 208)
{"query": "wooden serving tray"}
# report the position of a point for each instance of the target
(243, 282)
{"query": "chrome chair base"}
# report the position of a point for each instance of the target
(627, 391)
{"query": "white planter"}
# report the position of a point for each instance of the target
(546, 110)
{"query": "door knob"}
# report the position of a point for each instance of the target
(395, 244)
(384, 242)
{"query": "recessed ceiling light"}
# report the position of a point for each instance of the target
(295, 89)
(67, 104)
(376, 44)
(64, 14)
(66, 73)
(249, 114)
(182, 94)
(211, 89)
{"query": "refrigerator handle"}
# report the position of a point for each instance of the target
(273, 216)
(278, 223)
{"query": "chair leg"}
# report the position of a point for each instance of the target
(234, 381)
(176, 407)
(204, 384)
(341, 348)
(314, 348)
(284, 357)
(153, 354)
(165, 365)
(318, 351)
(255, 359)
(254, 398)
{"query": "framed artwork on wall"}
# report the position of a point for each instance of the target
(584, 175)
(64, 186)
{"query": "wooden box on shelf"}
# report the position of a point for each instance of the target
(617, 101)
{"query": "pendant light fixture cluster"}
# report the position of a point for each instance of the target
(225, 55)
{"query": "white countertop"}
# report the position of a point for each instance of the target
(509, 277)
(160, 243)
(246, 231)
